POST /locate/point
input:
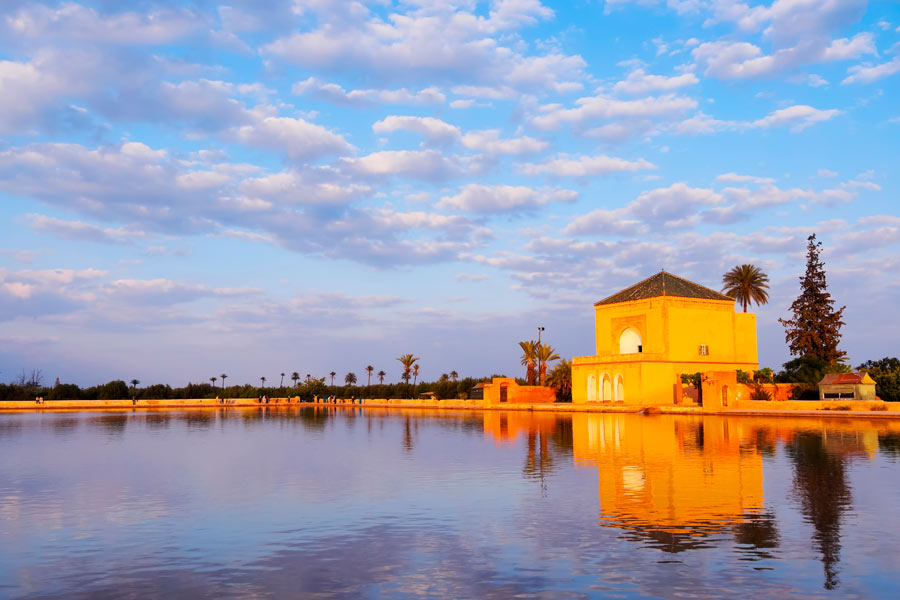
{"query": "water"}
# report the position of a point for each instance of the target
(399, 503)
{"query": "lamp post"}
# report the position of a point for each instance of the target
(540, 329)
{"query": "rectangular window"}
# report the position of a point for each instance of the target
(704, 350)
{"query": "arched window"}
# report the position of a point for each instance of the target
(620, 389)
(606, 389)
(630, 342)
(592, 388)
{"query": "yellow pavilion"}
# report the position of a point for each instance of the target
(648, 334)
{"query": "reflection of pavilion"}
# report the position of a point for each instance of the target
(673, 481)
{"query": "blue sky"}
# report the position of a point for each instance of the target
(194, 188)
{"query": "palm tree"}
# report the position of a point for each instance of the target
(560, 379)
(307, 378)
(529, 353)
(746, 284)
(223, 376)
(350, 378)
(332, 377)
(262, 381)
(545, 354)
(407, 360)
(212, 380)
(134, 383)
(370, 369)
(295, 377)
(381, 375)
(415, 374)
(454, 375)
(281, 385)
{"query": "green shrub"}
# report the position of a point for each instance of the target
(760, 393)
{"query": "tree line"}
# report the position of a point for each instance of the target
(443, 389)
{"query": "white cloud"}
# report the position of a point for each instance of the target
(296, 138)
(78, 230)
(847, 49)
(798, 117)
(868, 73)
(483, 92)
(580, 166)
(422, 164)
(638, 82)
(305, 186)
(472, 277)
(737, 60)
(701, 123)
(477, 198)
(787, 22)
(673, 206)
(603, 222)
(826, 173)
(332, 92)
(167, 291)
(814, 80)
(434, 130)
(73, 21)
(28, 89)
(735, 178)
(463, 104)
(450, 43)
(605, 108)
(489, 142)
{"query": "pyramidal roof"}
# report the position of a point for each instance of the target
(664, 284)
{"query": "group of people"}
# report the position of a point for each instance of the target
(334, 400)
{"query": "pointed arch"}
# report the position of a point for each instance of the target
(606, 389)
(620, 388)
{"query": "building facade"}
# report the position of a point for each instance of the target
(847, 386)
(649, 334)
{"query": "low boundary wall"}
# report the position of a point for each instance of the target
(818, 408)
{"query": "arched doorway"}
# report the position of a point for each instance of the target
(592, 388)
(620, 389)
(606, 393)
(630, 342)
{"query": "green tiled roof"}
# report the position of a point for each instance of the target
(664, 284)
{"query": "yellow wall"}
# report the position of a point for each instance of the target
(671, 330)
(531, 394)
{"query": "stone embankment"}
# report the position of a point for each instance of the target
(739, 408)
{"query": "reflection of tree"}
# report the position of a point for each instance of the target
(765, 441)
(158, 420)
(113, 425)
(889, 444)
(200, 420)
(313, 418)
(759, 531)
(407, 436)
(820, 483)
(563, 436)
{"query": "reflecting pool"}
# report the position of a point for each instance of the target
(350, 502)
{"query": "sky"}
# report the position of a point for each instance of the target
(251, 188)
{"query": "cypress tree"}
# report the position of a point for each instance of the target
(815, 329)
